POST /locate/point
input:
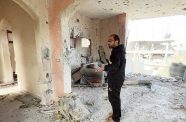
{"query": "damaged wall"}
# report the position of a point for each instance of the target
(65, 56)
(31, 43)
(84, 27)
(43, 87)
(34, 50)
(56, 7)
(60, 38)
(25, 45)
(98, 30)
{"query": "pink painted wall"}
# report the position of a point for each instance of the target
(55, 9)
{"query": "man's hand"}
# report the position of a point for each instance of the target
(101, 69)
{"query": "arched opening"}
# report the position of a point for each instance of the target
(8, 64)
(18, 28)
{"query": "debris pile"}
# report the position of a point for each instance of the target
(70, 109)
(21, 107)
(143, 77)
(163, 101)
(87, 75)
(178, 70)
(28, 100)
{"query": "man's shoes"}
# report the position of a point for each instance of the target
(117, 121)
(109, 118)
(110, 114)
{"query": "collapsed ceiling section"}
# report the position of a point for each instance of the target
(135, 9)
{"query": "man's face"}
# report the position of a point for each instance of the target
(111, 42)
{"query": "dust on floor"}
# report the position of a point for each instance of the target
(162, 102)
(22, 107)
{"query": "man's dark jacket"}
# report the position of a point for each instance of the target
(116, 70)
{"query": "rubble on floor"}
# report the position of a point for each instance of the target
(22, 107)
(143, 77)
(28, 100)
(163, 101)
(87, 75)
(70, 109)
(178, 70)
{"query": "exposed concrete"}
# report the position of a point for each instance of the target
(33, 50)
(65, 33)
(97, 31)
(60, 38)
(84, 27)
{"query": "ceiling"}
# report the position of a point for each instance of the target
(135, 9)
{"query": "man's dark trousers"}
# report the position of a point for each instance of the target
(114, 89)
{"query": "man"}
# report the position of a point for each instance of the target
(116, 74)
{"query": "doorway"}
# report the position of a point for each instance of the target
(12, 54)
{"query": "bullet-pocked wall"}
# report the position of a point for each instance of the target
(73, 23)
(60, 13)
(89, 28)
(25, 44)
(41, 61)
(29, 23)
(83, 27)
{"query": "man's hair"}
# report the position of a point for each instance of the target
(116, 37)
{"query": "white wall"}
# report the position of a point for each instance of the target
(6, 71)
(23, 28)
(32, 47)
